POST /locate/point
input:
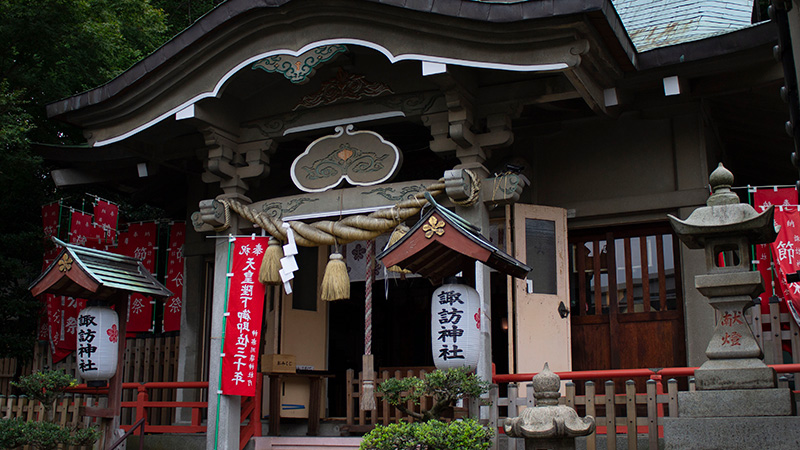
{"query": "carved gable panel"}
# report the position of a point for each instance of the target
(363, 158)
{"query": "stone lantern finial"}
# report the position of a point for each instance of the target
(721, 180)
(545, 387)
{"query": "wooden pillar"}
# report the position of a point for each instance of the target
(110, 421)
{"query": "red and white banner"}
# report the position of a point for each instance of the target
(174, 279)
(245, 312)
(84, 232)
(43, 328)
(62, 313)
(105, 215)
(786, 253)
(763, 199)
(51, 215)
(140, 242)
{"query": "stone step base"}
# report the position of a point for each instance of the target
(305, 443)
(732, 433)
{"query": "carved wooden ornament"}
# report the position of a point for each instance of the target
(363, 158)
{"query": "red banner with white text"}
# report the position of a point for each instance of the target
(84, 232)
(786, 253)
(243, 322)
(140, 242)
(62, 313)
(51, 215)
(106, 215)
(174, 279)
(763, 199)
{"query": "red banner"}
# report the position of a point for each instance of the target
(62, 313)
(174, 279)
(50, 219)
(49, 257)
(243, 322)
(84, 232)
(43, 329)
(786, 253)
(105, 215)
(139, 242)
(763, 199)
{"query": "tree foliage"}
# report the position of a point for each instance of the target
(445, 386)
(51, 49)
(182, 13)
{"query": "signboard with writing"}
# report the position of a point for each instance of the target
(455, 326)
(244, 317)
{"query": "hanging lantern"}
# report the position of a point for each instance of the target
(98, 340)
(455, 326)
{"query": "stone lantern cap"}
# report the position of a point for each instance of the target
(724, 216)
(548, 419)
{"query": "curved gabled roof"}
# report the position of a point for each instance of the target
(525, 36)
(239, 32)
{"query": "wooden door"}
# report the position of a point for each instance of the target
(626, 299)
(540, 332)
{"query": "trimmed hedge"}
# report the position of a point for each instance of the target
(466, 434)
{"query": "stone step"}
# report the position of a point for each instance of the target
(305, 443)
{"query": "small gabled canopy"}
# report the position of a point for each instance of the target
(442, 244)
(96, 275)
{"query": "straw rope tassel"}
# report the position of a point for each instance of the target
(271, 264)
(367, 362)
(335, 282)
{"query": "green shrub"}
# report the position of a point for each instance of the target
(45, 435)
(11, 432)
(85, 436)
(446, 386)
(465, 434)
(45, 386)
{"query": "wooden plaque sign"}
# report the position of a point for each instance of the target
(363, 158)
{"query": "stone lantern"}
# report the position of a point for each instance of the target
(736, 404)
(726, 229)
(548, 425)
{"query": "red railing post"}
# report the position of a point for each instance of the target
(141, 398)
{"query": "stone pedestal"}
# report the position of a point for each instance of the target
(732, 433)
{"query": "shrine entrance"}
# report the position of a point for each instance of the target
(401, 334)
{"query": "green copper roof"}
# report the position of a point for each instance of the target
(111, 271)
(659, 23)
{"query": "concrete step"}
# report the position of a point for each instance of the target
(305, 443)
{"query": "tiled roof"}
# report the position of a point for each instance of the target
(659, 23)
(110, 271)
